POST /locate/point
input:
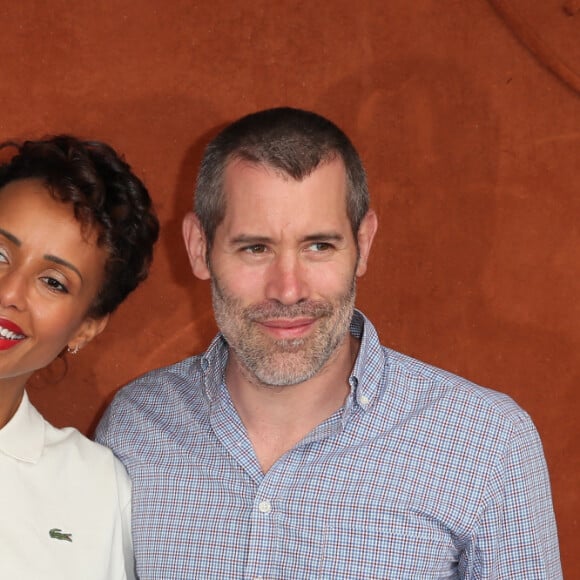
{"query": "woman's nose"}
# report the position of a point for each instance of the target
(12, 289)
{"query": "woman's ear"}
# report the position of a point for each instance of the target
(90, 328)
(196, 246)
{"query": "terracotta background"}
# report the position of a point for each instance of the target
(467, 115)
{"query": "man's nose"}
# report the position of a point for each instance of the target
(286, 281)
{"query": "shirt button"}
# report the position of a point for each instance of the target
(364, 400)
(265, 507)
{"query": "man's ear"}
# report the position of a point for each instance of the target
(196, 246)
(365, 236)
(89, 328)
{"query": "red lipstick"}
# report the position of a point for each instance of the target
(10, 334)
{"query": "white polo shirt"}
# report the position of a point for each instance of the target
(64, 504)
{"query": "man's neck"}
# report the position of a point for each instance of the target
(277, 418)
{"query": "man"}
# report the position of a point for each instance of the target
(297, 446)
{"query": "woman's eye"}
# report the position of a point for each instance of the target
(55, 285)
(3, 257)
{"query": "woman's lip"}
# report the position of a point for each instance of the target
(6, 343)
(9, 342)
(9, 325)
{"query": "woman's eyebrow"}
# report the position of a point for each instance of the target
(48, 257)
(62, 262)
(11, 237)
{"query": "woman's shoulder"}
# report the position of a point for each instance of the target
(70, 441)
(76, 453)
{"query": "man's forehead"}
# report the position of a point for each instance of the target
(261, 184)
(237, 166)
(259, 200)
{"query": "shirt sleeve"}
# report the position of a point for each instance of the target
(515, 536)
(102, 431)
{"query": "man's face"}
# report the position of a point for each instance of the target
(283, 266)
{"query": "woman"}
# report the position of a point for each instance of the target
(76, 237)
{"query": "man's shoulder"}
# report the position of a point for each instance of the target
(157, 393)
(160, 396)
(410, 386)
(163, 379)
(425, 385)
(184, 378)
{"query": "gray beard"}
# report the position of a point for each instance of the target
(280, 363)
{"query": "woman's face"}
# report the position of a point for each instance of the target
(50, 274)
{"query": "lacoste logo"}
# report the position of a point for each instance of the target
(58, 534)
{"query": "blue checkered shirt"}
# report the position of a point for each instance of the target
(421, 475)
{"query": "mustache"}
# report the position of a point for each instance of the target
(273, 310)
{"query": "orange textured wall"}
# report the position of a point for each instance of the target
(467, 115)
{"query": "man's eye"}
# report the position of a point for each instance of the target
(320, 246)
(255, 249)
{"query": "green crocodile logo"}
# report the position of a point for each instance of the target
(58, 534)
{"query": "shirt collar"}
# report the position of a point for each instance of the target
(23, 436)
(364, 379)
(213, 364)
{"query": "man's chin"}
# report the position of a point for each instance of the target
(282, 381)
(282, 370)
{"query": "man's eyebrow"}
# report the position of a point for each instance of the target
(324, 237)
(315, 237)
(62, 262)
(249, 239)
(10, 237)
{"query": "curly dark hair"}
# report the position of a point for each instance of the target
(105, 195)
